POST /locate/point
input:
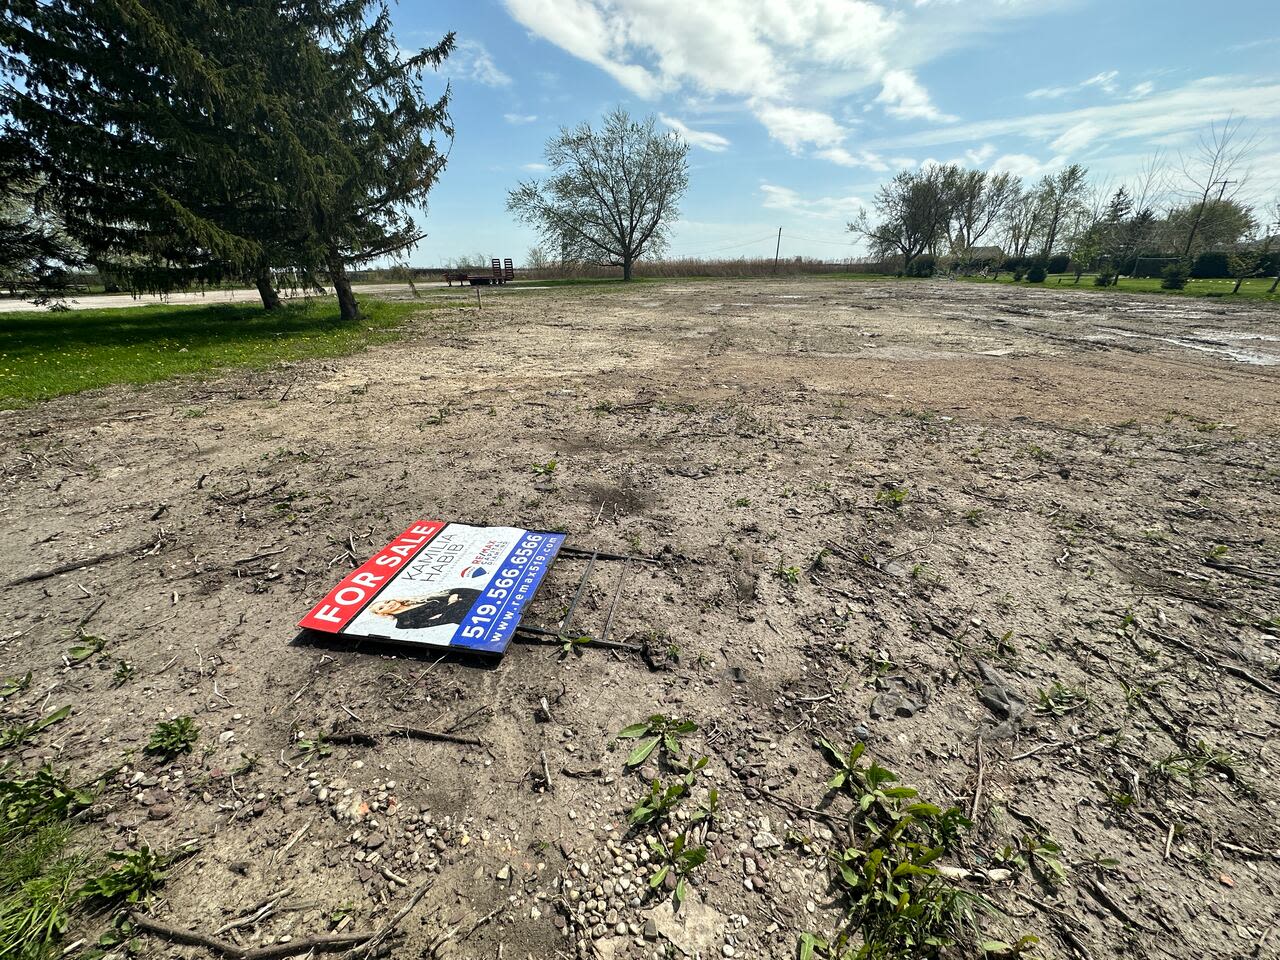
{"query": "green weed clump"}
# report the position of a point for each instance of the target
(896, 901)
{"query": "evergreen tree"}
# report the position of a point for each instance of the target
(357, 142)
(188, 141)
(113, 107)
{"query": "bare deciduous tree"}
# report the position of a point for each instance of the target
(978, 201)
(1059, 196)
(613, 192)
(914, 210)
(1217, 167)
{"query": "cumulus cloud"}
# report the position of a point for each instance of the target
(698, 138)
(785, 60)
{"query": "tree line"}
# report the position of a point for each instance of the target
(1189, 221)
(182, 142)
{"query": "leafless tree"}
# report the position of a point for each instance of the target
(1060, 196)
(613, 192)
(1021, 220)
(1217, 168)
(978, 201)
(913, 210)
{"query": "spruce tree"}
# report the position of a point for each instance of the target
(190, 141)
(360, 152)
(117, 111)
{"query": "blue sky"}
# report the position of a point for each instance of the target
(798, 109)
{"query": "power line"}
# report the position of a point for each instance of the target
(838, 243)
(734, 246)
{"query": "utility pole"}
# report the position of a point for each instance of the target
(1186, 253)
(777, 250)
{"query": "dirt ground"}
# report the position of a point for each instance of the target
(894, 512)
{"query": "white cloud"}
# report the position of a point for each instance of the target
(862, 158)
(520, 118)
(1077, 137)
(1104, 81)
(785, 60)
(534, 167)
(1140, 90)
(472, 61)
(1025, 165)
(797, 127)
(1171, 116)
(823, 208)
(903, 96)
(698, 138)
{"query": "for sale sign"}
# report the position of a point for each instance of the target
(441, 584)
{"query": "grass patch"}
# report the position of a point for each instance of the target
(1255, 288)
(45, 354)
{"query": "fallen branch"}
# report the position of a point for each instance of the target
(417, 733)
(74, 565)
(191, 938)
(374, 941)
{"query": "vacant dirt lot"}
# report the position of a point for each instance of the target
(1021, 543)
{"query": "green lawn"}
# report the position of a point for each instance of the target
(1252, 289)
(45, 354)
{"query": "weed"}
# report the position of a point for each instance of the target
(194, 413)
(896, 898)
(1192, 765)
(657, 804)
(123, 673)
(788, 575)
(710, 810)
(658, 729)
(43, 798)
(1036, 452)
(679, 859)
(1038, 852)
(316, 749)
(572, 646)
(86, 648)
(892, 496)
(742, 502)
(11, 685)
(131, 880)
(1218, 552)
(543, 469)
(974, 517)
(1060, 700)
(20, 733)
(171, 738)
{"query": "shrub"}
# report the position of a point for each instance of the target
(1105, 278)
(922, 266)
(1058, 263)
(1174, 276)
(1037, 273)
(1211, 265)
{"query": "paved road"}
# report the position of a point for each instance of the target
(101, 301)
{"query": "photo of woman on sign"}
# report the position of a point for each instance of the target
(421, 613)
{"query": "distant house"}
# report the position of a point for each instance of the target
(992, 254)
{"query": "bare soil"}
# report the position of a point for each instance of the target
(1092, 499)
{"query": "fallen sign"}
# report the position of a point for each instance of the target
(441, 584)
